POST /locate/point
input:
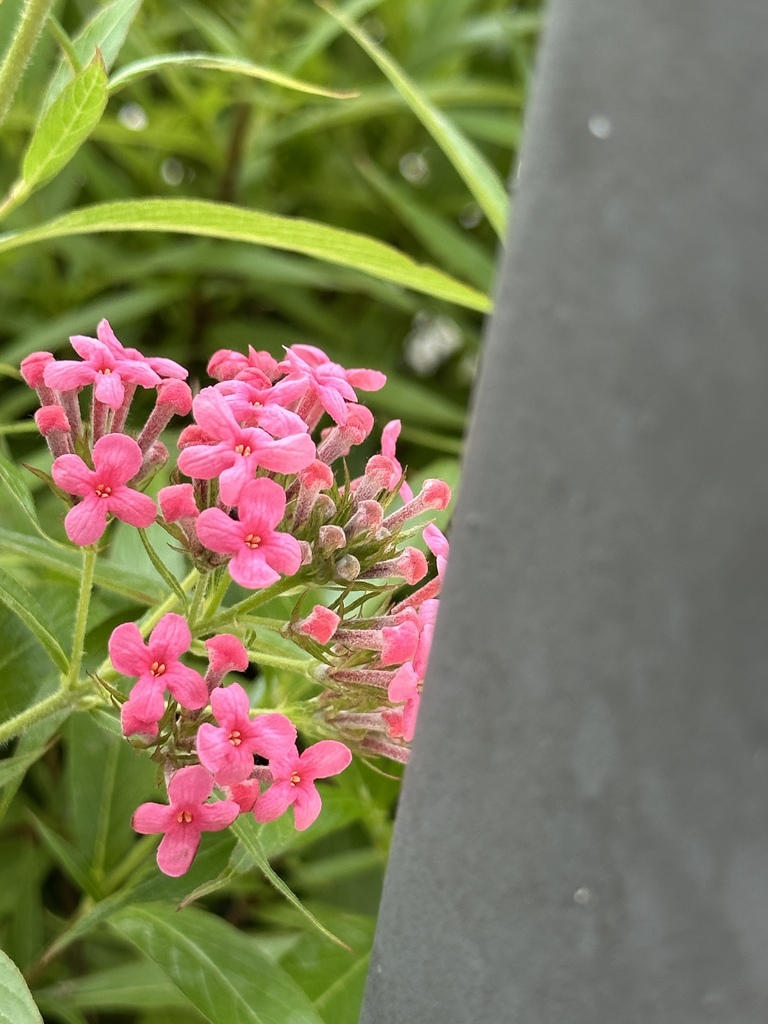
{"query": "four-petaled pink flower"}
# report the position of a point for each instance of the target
(104, 490)
(157, 665)
(227, 750)
(407, 683)
(101, 367)
(185, 819)
(261, 553)
(239, 451)
(294, 775)
(327, 382)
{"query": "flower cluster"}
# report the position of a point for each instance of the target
(268, 504)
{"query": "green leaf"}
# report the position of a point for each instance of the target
(68, 562)
(66, 125)
(478, 175)
(68, 858)
(135, 986)
(106, 31)
(16, 1003)
(14, 480)
(14, 768)
(208, 61)
(247, 831)
(226, 977)
(219, 220)
(21, 603)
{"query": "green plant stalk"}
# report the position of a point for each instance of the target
(262, 597)
(81, 618)
(31, 716)
(33, 18)
(302, 665)
(218, 595)
(197, 602)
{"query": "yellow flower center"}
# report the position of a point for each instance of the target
(252, 541)
(295, 778)
(184, 817)
(234, 738)
(157, 668)
(243, 449)
(103, 491)
(105, 370)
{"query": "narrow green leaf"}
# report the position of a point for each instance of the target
(219, 220)
(478, 175)
(68, 858)
(105, 31)
(247, 831)
(14, 480)
(226, 977)
(21, 603)
(208, 61)
(134, 986)
(66, 125)
(162, 569)
(68, 562)
(14, 768)
(16, 1003)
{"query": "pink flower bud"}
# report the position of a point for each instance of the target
(331, 538)
(33, 366)
(410, 564)
(320, 624)
(51, 418)
(369, 516)
(175, 394)
(306, 552)
(348, 568)
(435, 494)
(177, 502)
(226, 653)
(194, 435)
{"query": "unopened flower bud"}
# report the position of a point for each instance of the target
(435, 494)
(320, 624)
(226, 653)
(347, 568)
(331, 538)
(177, 502)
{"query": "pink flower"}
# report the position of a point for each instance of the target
(389, 436)
(177, 502)
(261, 553)
(293, 777)
(163, 367)
(438, 544)
(226, 653)
(107, 372)
(407, 683)
(185, 819)
(327, 382)
(264, 406)
(158, 667)
(320, 624)
(227, 750)
(104, 490)
(239, 451)
(226, 364)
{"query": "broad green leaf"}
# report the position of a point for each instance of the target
(333, 978)
(247, 831)
(227, 978)
(423, 406)
(105, 31)
(211, 62)
(14, 768)
(219, 220)
(68, 562)
(16, 1003)
(22, 603)
(66, 125)
(478, 175)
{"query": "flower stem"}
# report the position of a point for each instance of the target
(219, 593)
(31, 716)
(31, 22)
(197, 601)
(81, 618)
(303, 665)
(228, 616)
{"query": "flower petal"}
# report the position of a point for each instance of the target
(214, 817)
(72, 475)
(282, 552)
(328, 757)
(306, 807)
(218, 532)
(213, 746)
(109, 389)
(68, 374)
(152, 818)
(170, 638)
(132, 507)
(262, 505)
(190, 786)
(272, 736)
(249, 569)
(403, 684)
(86, 522)
(205, 461)
(145, 705)
(286, 454)
(177, 848)
(127, 650)
(274, 802)
(231, 706)
(187, 686)
(116, 458)
(367, 380)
